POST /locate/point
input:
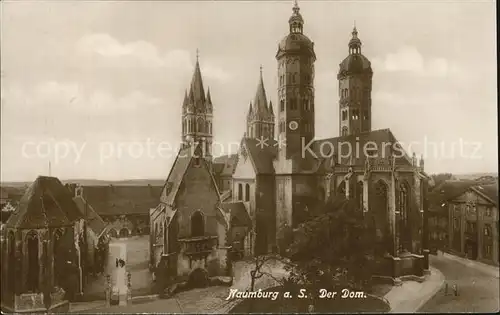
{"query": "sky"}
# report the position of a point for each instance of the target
(96, 87)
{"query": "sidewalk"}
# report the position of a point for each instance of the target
(412, 295)
(488, 269)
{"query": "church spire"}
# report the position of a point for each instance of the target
(260, 100)
(197, 84)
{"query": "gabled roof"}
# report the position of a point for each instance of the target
(93, 220)
(261, 155)
(179, 168)
(122, 200)
(225, 165)
(46, 203)
(237, 213)
(343, 145)
(489, 191)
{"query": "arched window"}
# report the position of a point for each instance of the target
(201, 123)
(240, 192)
(404, 227)
(359, 195)
(197, 224)
(58, 258)
(33, 262)
(380, 206)
(247, 192)
(344, 131)
(282, 105)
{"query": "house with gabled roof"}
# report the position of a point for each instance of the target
(189, 227)
(470, 211)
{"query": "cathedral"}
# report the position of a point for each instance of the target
(282, 171)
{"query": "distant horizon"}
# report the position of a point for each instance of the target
(479, 174)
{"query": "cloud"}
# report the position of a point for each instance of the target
(143, 54)
(409, 59)
(67, 98)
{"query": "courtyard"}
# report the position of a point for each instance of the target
(134, 251)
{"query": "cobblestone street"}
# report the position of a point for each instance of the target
(478, 291)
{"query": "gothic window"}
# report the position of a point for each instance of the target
(404, 227)
(293, 77)
(247, 192)
(293, 104)
(344, 131)
(33, 262)
(210, 127)
(240, 192)
(200, 125)
(282, 105)
(344, 115)
(359, 194)
(197, 224)
(57, 250)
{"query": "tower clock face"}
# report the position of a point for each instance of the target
(293, 125)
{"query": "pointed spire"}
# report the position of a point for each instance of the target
(250, 111)
(186, 100)
(197, 84)
(209, 99)
(271, 112)
(260, 101)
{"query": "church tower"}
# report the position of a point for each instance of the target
(260, 117)
(296, 59)
(197, 110)
(295, 187)
(355, 86)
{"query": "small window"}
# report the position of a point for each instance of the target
(282, 105)
(366, 116)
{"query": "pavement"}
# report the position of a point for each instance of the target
(493, 271)
(478, 287)
(411, 295)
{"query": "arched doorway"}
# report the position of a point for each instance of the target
(12, 262)
(33, 262)
(197, 224)
(124, 232)
(198, 278)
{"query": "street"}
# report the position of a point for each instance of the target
(478, 291)
(204, 300)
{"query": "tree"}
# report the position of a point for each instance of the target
(333, 249)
